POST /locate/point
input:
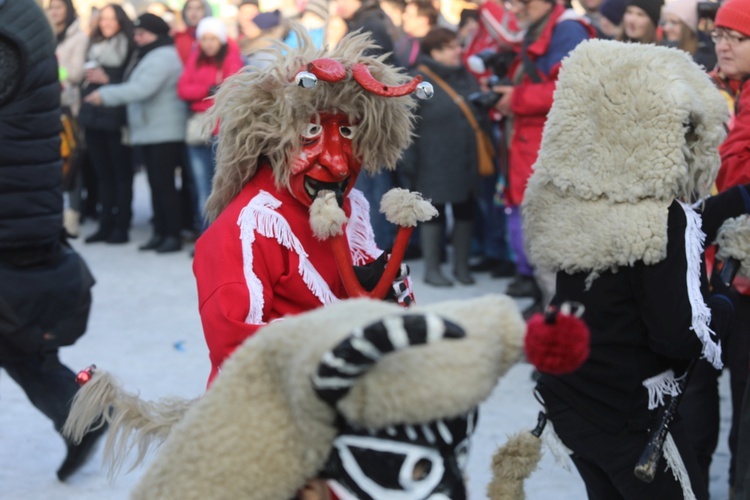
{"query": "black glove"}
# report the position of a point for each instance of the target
(369, 275)
(722, 298)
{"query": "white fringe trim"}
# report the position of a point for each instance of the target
(694, 240)
(359, 230)
(663, 384)
(675, 463)
(556, 447)
(261, 216)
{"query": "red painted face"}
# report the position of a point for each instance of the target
(327, 160)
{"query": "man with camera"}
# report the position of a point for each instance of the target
(551, 33)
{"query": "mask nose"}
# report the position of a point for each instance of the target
(333, 158)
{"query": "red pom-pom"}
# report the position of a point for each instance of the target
(558, 343)
(85, 375)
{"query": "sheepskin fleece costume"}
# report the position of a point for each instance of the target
(260, 431)
(601, 201)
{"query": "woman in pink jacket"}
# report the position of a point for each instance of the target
(213, 59)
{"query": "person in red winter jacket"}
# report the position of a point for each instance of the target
(213, 59)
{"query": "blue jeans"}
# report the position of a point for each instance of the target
(374, 187)
(202, 166)
(492, 220)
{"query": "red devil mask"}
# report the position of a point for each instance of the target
(326, 160)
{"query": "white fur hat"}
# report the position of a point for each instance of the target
(213, 26)
(686, 10)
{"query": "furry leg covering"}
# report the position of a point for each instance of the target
(132, 421)
(512, 464)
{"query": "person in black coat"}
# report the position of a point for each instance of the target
(442, 161)
(624, 227)
(44, 285)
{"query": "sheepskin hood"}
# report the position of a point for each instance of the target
(261, 431)
(632, 128)
(263, 113)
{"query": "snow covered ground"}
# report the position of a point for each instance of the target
(145, 329)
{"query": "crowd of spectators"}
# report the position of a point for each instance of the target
(538, 33)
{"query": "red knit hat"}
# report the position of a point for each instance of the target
(734, 15)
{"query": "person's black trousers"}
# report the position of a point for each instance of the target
(49, 385)
(114, 170)
(606, 461)
(162, 161)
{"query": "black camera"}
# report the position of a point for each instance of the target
(707, 10)
(489, 98)
(498, 63)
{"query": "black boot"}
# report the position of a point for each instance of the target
(461, 238)
(118, 236)
(524, 286)
(120, 228)
(106, 224)
(432, 243)
(78, 454)
(169, 244)
(504, 269)
(153, 243)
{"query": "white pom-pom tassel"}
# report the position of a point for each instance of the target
(327, 219)
(405, 208)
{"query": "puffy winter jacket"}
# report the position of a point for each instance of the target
(30, 164)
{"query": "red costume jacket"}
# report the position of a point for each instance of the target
(259, 261)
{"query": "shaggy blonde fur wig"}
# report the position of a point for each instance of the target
(632, 128)
(262, 114)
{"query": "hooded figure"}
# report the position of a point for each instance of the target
(617, 208)
(293, 139)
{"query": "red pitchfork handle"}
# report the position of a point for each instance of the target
(343, 258)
